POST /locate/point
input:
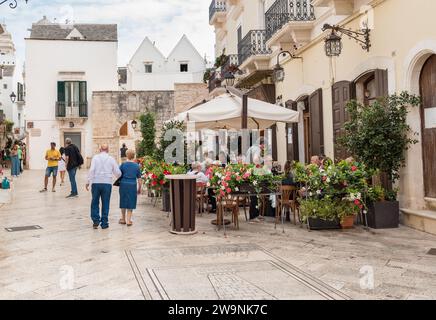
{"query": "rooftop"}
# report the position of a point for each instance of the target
(85, 32)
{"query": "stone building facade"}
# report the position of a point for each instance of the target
(187, 95)
(113, 109)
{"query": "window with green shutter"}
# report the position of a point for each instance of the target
(61, 91)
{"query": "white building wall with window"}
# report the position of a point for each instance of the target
(50, 62)
(150, 70)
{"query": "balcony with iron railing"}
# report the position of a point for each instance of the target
(71, 110)
(231, 64)
(216, 7)
(282, 12)
(253, 44)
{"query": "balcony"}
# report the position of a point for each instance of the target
(217, 11)
(253, 44)
(289, 21)
(71, 110)
(231, 64)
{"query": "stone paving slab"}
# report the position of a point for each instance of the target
(253, 262)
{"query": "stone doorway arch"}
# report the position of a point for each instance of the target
(113, 109)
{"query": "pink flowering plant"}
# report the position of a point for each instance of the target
(234, 177)
(344, 184)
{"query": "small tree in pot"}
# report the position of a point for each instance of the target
(378, 135)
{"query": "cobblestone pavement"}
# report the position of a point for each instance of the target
(67, 259)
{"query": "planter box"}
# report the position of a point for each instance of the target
(384, 215)
(249, 188)
(166, 203)
(319, 224)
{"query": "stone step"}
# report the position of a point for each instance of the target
(423, 220)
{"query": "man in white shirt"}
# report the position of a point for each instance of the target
(196, 171)
(100, 177)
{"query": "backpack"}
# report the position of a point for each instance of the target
(6, 184)
(79, 157)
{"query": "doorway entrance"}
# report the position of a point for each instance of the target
(427, 84)
(76, 138)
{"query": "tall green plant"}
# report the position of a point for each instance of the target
(147, 146)
(163, 143)
(378, 135)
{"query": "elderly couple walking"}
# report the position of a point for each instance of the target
(100, 178)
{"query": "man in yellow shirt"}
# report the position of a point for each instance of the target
(52, 156)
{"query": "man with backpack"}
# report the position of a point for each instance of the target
(73, 160)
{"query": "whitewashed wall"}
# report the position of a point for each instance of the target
(44, 60)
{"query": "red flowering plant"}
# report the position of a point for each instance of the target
(154, 173)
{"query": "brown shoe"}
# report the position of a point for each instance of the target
(121, 221)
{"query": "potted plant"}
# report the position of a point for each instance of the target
(320, 214)
(378, 136)
(383, 208)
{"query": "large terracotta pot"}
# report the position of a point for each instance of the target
(347, 222)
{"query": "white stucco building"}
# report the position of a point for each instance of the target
(64, 65)
(12, 111)
(150, 70)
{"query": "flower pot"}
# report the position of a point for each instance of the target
(347, 222)
(320, 224)
(383, 215)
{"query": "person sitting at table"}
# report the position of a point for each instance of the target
(288, 179)
(196, 171)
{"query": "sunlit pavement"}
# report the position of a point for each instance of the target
(67, 259)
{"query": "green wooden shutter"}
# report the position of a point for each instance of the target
(83, 92)
(61, 91)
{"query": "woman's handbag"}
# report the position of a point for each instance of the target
(117, 182)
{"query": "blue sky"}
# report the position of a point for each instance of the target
(163, 21)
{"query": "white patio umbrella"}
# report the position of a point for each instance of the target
(225, 111)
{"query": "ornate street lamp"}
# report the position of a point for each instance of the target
(12, 3)
(134, 124)
(230, 79)
(333, 43)
(13, 97)
(279, 71)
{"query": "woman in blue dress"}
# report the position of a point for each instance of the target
(130, 187)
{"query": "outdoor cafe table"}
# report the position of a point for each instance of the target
(220, 221)
(182, 199)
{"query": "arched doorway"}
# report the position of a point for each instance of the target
(427, 83)
(128, 136)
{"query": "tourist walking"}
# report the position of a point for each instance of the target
(15, 162)
(62, 168)
(20, 157)
(123, 151)
(130, 187)
(103, 168)
(52, 156)
(73, 160)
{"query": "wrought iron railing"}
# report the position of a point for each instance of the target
(254, 43)
(284, 11)
(216, 6)
(71, 110)
(232, 63)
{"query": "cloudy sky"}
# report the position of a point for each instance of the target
(163, 21)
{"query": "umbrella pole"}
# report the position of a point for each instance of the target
(244, 124)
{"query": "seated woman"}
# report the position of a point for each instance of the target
(288, 179)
